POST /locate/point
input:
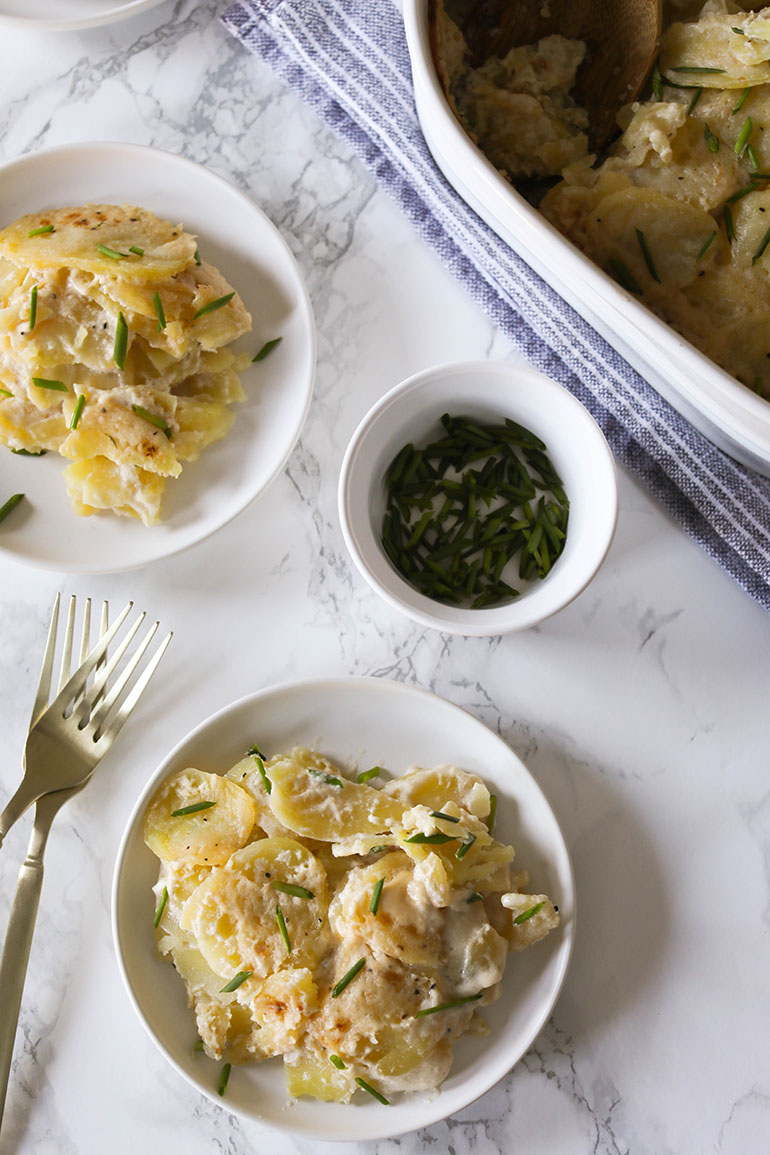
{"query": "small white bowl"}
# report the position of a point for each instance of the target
(490, 391)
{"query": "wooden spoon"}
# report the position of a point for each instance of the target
(621, 38)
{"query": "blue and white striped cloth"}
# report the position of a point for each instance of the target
(348, 59)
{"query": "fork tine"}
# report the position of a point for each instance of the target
(116, 722)
(66, 658)
(44, 685)
(86, 707)
(77, 683)
(98, 719)
(85, 636)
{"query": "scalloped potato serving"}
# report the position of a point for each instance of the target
(355, 931)
(114, 351)
(678, 211)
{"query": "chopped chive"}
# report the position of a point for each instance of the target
(739, 31)
(267, 348)
(762, 246)
(347, 978)
(224, 1078)
(38, 232)
(329, 779)
(436, 839)
(743, 137)
(625, 276)
(712, 141)
(492, 812)
(113, 254)
(32, 307)
(254, 750)
(77, 412)
(197, 257)
(30, 452)
(647, 255)
(697, 69)
(475, 897)
(759, 176)
(235, 982)
(741, 193)
(337, 1062)
(694, 100)
(159, 312)
(292, 889)
(212, 305)
(193, 809)
(446, 817)
(268, 785)
(657, 83)
(160, 908)
(282, 927)
(448, 1006)
(198, 1047)
(742, 101)
(10, 504)
(759, 386)
(463, 850)
(729, 225)
(136, 250)
(374, 902)
(46, 383)
(367, 775)
(377, 849)
(371, 1091)
(751, 156)
(121, 342)
(5, 393)
(527, 914)
(153, 418)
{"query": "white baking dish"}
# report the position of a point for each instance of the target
(728, 413)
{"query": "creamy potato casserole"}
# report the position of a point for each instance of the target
(114, 338)
(355, 931)
(678, 210)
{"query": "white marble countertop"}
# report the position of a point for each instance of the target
(641, 709)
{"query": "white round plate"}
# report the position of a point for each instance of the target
(62, 15)
(238, 238)
(355, 721)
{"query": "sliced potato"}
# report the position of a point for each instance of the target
(207, 836)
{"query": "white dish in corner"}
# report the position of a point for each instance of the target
(367, 721)
(717, 404)
(236, 236)
(64, 15)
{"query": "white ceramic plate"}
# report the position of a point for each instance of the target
(358, 721)
(60, 15)
(238, 238)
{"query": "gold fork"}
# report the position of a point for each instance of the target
(66, 741)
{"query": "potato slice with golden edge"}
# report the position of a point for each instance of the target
(74, 236)
(282, 1007)
(207, 836)
(232, 914)
(537, 917)
(438, 785)
(247, 775)
(315, 1075)
(710, 53)
(305, 801)
(96, 484)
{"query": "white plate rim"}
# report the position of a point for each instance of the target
(303, 296)
(433, 1112)
(67, 24)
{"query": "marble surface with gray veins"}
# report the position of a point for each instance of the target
(641, 709)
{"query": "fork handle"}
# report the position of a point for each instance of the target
(21, 801)
(18, 941)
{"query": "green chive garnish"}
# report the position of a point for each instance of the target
(712, 141)
(377, 849)
(743, 137)
(647, 255)
(39, 231)
(463, 850)
(282, 927)
(625, 276)
(338, 1063)
(694, 100)
(212, 305)
(348, 978)
(739, 31)
(198, 1047)
(159, 311)
(45, 383)
(759, 386)
(223, 1080)
(374, 902)
(292, 889)
(729, 225)
(32, 307)
(762, 246)
(136, 250)
(475, 897)
(197, 257)
(30, 452)
(153, 418)
(492, 812)
(10, 504)
(527, 914)
(694, 68)
(234, 983)
(329, 779)
(751, 156)
(268, 785)
(113, 254)
(5, 393)
(436, 839)
(367, 775)
(705, 246)
(657, 83)
(446, 817)
(77, 412)
(121, 342)
(447, 1006)
(161, 907)
(255, 751)
(267, 348)
(371, 1091)
(193, 809)
(742, 101)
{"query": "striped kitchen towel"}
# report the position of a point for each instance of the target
(348, 59)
